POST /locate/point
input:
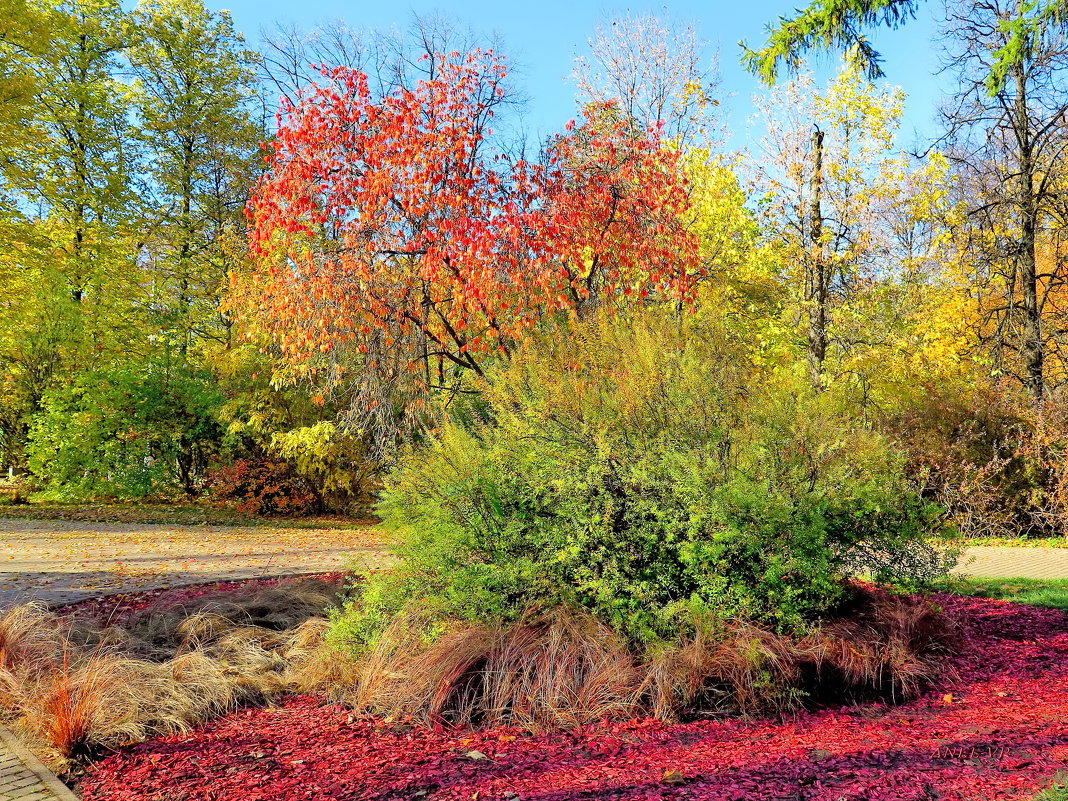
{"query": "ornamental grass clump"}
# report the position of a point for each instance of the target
(545, 670)
(641, 476)
(75, 687)
(564, 668)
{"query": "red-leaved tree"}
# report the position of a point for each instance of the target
(393, 250)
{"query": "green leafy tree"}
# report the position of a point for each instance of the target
(80, 172)
(130, 429)
(195, 98)
(24, 34)
(70, 268)
(129, 198)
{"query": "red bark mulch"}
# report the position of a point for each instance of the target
(998, 730)
(118, 608)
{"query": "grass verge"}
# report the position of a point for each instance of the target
(1050, 593)
(1013, 542)
(1057, 791)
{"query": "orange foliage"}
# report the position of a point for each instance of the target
(264, 486)
(382, 224)
(67, 706)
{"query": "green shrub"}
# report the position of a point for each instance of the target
(128, 431)
(645, 471)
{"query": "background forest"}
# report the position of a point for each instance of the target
(187, 312)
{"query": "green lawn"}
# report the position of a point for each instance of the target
(1052, 593)
(1057, 791)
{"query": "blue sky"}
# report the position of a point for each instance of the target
(542, 40)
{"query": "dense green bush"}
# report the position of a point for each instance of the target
(130, 430)
(648, 472)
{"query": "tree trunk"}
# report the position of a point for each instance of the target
(818, 294)
(1032, 348)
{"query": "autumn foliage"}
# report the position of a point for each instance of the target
(263, 486)
(389, 229)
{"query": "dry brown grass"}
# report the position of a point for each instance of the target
(884, 645)
(552, 669)
(734, 669)
(158, 632)
(75, 688)
(316, 667)
(563, 668)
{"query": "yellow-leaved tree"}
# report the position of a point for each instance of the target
(858, 232)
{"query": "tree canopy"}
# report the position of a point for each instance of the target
(839, 26)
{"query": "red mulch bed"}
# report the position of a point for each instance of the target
(117, 609)
(998, 730)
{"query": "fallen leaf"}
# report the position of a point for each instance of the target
(673, 776)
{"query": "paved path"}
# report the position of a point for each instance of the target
(59, 561)
(23, 777)
(1000, 561)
